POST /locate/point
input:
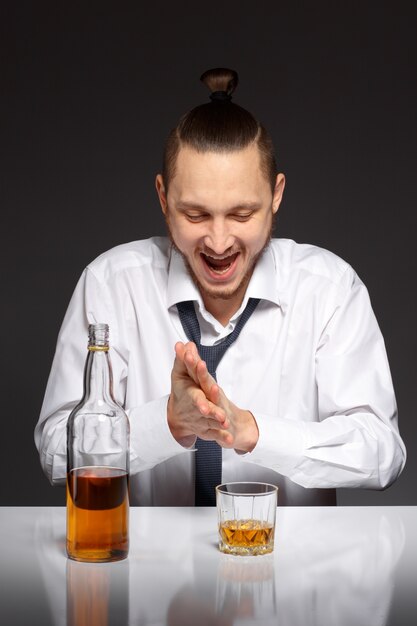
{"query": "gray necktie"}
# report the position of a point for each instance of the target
(208, 458)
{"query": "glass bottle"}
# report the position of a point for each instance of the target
(98, 463)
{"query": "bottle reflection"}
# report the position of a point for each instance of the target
(97, 594)
(330, 566)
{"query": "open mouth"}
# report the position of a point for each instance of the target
(219, 266)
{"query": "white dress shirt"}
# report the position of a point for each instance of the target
(310, 364)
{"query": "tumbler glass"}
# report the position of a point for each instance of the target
(246, 517)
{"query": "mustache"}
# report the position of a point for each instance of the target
(219, 257)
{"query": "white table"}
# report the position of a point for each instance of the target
(331, 566)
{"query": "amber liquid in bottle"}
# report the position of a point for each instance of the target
(97, 514)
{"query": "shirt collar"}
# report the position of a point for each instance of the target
(180, 285)
(263, 283)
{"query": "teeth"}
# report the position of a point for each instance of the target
(222, 271)
(217, 258)
(217, 265)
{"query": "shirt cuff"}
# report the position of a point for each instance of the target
(151, 440)
(281, 443)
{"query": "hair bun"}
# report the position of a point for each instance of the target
(217, 127)
(220, 79)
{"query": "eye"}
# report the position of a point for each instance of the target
(199, 217)
(242, 217)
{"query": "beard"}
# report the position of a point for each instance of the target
(230, 293)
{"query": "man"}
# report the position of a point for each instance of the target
(299, 392)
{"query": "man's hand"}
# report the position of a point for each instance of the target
(190, 412)
(213, 413)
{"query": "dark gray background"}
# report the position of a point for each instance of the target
(90, 92)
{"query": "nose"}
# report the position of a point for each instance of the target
(219, 238)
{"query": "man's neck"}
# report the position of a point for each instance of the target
(223, 309)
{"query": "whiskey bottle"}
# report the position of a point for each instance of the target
(98, 463)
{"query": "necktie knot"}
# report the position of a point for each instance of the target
(212, 355)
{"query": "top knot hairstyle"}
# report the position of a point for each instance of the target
(219, 126)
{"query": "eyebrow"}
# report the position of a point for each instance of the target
(248, 206)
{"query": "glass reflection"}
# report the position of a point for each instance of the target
(246, 588)
(330, 566)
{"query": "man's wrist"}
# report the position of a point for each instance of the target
(185, 439)
(250, 433)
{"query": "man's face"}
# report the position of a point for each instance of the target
(219, 211)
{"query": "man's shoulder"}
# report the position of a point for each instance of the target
(292, 258)
(145, 253)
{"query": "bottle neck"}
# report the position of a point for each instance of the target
(98, 378)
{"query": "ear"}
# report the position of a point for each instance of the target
(160, 190)
(278, 192)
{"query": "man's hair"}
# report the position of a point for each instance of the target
(219, 126)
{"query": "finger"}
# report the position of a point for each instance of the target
(204, 406)
(207, 424)
(224, 438)
(181, 348)
(188, 354)
(210, 410)
(191, 359)
(179, 367)
(205, 379)
(214, 393)
(185, 361)
(197, 368)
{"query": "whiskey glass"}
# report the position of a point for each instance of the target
(246, 514)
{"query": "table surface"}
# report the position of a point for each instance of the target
(331, 566)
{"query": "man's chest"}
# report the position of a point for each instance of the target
(270, 368)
